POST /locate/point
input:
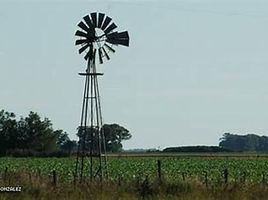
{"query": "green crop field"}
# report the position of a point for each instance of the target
(209, 168)
(183, 176)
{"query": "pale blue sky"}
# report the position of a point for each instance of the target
(194, 69)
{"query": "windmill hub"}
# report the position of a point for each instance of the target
(100, 37)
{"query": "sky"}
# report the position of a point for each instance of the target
(194, 70)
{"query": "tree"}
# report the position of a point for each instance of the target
(8, 130)
(86, 135)
(114, 135)
(40, 135)
(31, 134)
(69, 146)
(64, 143)
(62, 137)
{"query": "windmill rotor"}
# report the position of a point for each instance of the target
(97, 36)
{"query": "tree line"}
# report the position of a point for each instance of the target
(228, 143)
(32, 135)
(196, 149)
(244, 143)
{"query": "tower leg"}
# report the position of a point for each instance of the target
(91, 145)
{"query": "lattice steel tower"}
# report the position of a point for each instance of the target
(97, 36)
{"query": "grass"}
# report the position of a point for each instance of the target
(39, 188)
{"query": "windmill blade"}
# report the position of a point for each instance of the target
(110, 28)
(112, 41)
(105, 53)
(112, 35)
(106, 22)
(100, 19)
(94, 19)
(118, 36)
(100, 56)
(123, 34)
(83, 26)
(86, 56)
(124, 42)
(80, 41)
(91, 31)
(88, 21)
(109, 48)
(80, 33)
(83, 48)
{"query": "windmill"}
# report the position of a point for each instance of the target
(97, 37)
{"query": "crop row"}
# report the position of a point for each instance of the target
(250, 170)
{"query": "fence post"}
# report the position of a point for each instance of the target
(39, 175)
(30, 177)
(145, 188)
(244, 177)
(119, 180)
(206, 178)
(263, 177)
(5, 174)
(54, 178)
(183, 176)
(39, 172)
(225, 176)
(74, 175)
(159, 169)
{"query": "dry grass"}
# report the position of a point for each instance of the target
(41, 188)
